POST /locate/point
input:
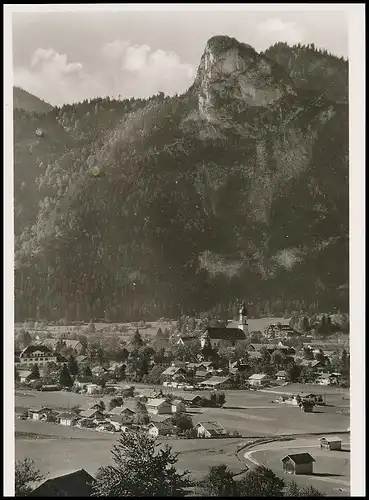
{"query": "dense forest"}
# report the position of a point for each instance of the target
(128, 209)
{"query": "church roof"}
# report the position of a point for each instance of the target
(224, 333)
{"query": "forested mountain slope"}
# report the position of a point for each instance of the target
(140, 208)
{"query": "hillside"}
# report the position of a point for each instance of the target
(28, 102)
(149, 208)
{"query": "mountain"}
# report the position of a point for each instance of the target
(28, 102)
(145, 208)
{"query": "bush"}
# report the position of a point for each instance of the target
(36, 385)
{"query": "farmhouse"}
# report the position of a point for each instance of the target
(92, 414)
(185, 339)
(314, 364)
(210, 430)
(36, 355)
(217, 383)
(330, 443)
(126, 415)
(279, 331)
(159, 406)
(161, 418)
(178, 406)
(174, 373)
(160, 429)
(191, 400)
(327, 379)
(259, 379)
(25, 376)
(93, 389)
(68, 419)
(76, 484)
(282, 376)
(39, 413)
(222, 337)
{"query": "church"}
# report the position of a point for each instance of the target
(227, 337)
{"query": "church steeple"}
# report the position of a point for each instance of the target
(242, 324)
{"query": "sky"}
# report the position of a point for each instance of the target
(65, 57)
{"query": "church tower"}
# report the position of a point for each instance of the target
(242, 323)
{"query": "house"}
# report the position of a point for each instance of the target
(50, 342)
(158, 406)
(217, 383)
(330, 443)
(106, 427)
(207, 366)
(255, 355)
(25, 376)
(36, 355)
(93, 389)
(282, 376)
(174, 373)
(279, 331)
(92, 414)
(327, 379)
(75, 484)
(202, 375)
(68, 419)
(178, 406)
(73, 344)
(259, 379)
(189, 399)
(222, 337)
(313, 364)
(82, 381)
(39, 413)
(160, 429)
(210, 430)
(299, 463)
(126, 414)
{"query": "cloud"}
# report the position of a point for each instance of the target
(275, 30)
(120, 69)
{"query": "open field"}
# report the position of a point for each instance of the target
(331, 468)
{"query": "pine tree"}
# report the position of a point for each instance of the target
(141, 468)
(65, 380)
(35, 373)
(137, 339)
(73, 366)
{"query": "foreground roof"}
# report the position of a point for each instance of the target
(299, 458)
(78, 484)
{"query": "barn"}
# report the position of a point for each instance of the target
(330, 443)
(299, 463)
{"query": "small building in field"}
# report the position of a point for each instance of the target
(307, 406)
(76, 484)
(299, 463)
(68, 419)
(25, 376)
(159, 406)
(93, 415)
(259, 379)
(330, 443)
(178, 406)
(190, 400)
(211, 429)
(93, 389)
(160, 429)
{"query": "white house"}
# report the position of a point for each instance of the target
(259, 379)
(93, 389)
(178, 406)
(160, 429)
(68, 419)
(159, 406)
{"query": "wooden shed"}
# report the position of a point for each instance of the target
(299, 463)
(330, 443)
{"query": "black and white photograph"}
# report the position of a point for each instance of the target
(184, 250)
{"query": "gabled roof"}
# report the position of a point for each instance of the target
(201, 373)
(90, 413)
(212, 427)
(215, 380)
(310, 363)
(78, 484)
(156, 402)
(119, 410)
(281, 373)
(224, 333)
(299, 458)
(68, 415)
(172, 370)
(160, 418)
(24, 373)
(258, 376)
(331, 439)
(71, 343)
(177, 402)
(34, 348)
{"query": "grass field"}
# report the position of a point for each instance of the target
(331, 472)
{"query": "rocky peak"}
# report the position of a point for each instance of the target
(233, 76)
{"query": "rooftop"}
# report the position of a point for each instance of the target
(223, 333)
(299, 458)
